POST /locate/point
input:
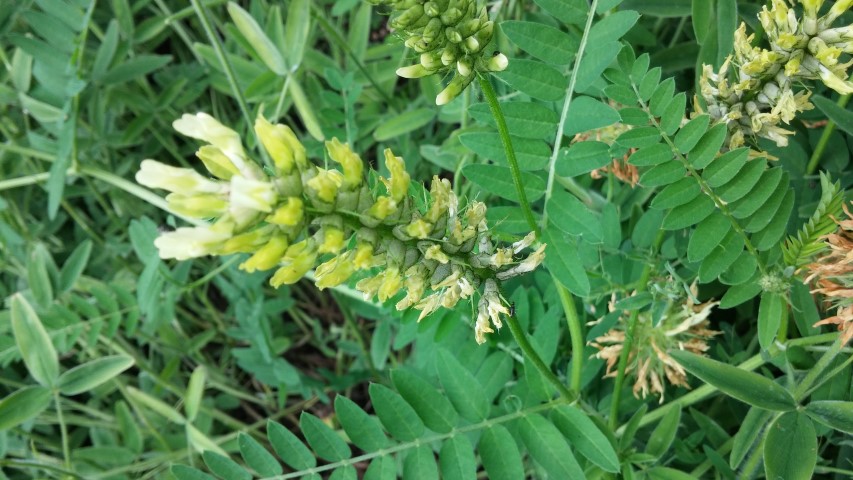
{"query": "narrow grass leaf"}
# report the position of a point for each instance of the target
(747, 387)
(664, 434)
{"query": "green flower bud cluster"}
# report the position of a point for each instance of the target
(299, 216)
(448, 35)
(761, 97)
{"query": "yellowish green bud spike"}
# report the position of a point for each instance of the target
(288, 214)
(413, 71)
(249, 241)
(268, 256)
(382, 208)
(419, 229)
(350, 161)
(217, 162)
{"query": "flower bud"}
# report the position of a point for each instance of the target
(288, 214)
(217, 162)
(349, 160)
(326, 183)
(203, 205)
(154, 174)
(189, 242)
(202, 126)
(251, 194)
(267, 256)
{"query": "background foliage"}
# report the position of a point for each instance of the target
(119, 365)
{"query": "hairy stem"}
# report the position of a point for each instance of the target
(575, 332)
(506, 141)
(531, 355)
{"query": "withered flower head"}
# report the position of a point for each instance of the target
(832, 275)
(683, 326)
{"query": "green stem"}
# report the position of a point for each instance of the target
(575, 332)
(27, 464)
(570, 90)
(628, 344)
(63, 430)
(824, 139)
(575, 328)
(531, 355)
(818, 369)
(503, 131)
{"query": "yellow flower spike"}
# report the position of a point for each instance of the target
(326, 183)
(334, 272)
(289, 214)
(217, 162)
(275, 142)
(202, 205)
(300, 257)
(392, 282)
(333, 240)
(267, 256)
(351, 162)
(399, 176)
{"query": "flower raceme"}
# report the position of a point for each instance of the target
(761, 95)
(299, 216)
(448, 36)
